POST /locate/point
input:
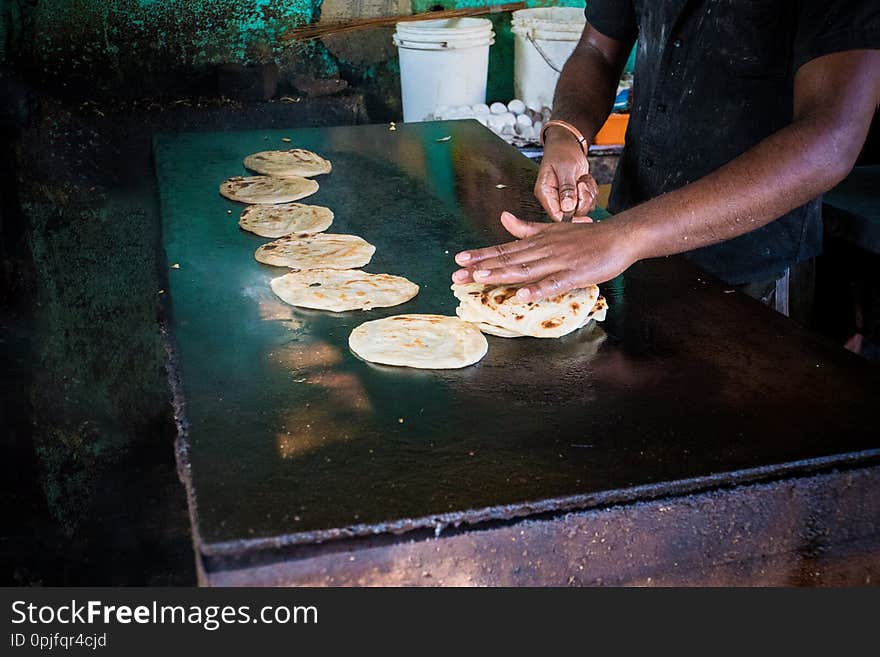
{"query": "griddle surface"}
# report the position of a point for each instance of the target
(290, 435)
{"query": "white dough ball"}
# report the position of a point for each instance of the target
(516, 106)
(481, 109)
(524, 120)
(498, 108)
(509, 118)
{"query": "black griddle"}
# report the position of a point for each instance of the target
(288, 439)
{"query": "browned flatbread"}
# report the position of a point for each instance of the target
(285, 219)
(321, 251)
(265, 189)
(421, 341)
(498, 311)
(339, 290)
(291, 162)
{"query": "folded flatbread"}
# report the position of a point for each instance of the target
(292, 162)
(420, 341)
(498, 311)
(266, 189)
(321, 251)
(343, 289)
(285, 219)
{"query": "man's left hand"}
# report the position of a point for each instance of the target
(549, 259)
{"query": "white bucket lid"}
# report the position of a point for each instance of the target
(549, 23)
(444, 34)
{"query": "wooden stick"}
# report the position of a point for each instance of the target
(317, 30)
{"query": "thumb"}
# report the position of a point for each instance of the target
(568, 195)
(519, 228)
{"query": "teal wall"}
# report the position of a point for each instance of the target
(108, 41)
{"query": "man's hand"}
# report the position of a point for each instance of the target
(564, 184)
(549, 259)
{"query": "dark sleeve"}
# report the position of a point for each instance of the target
(613, 18)
(828, 26)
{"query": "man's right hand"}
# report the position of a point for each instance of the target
(564, 184)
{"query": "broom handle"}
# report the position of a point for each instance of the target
(317, 30)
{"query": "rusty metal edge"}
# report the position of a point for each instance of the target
(181, 448)
(476, 519)
(175, 385)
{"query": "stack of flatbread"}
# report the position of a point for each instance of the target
(497, 310)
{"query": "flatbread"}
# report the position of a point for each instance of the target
(321, 251)
(422, 341)
(292, 162)
(343, 289)
(502, 313)
(265, 189)
(598, 314)
(285, 219)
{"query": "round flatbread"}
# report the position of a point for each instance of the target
(265, 189)
(321, 251)
(292, 162)
(598, 314)
(499, 307)
(431, 342)
(343, 289)
(285, 219)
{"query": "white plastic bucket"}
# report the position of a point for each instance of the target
(544, 40)
(442, 62)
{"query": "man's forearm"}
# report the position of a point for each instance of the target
(586, 88)
(780, 173)
(784, 171)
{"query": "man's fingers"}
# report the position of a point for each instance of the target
(514, 258)
(588, 193)
(568, 192)
(462, 276)
(521, 229)
(556, 283)
(519, 273)
(547, 192)
(516, 227)
(502, 252)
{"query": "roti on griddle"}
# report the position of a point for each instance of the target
(321, 251)
(498, 311)
(598, 314)
(292, 162)
(266, 189)
(421, 341)
(343, 289)
(285, 219)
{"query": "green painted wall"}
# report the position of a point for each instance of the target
(125, 37)
(126, 40)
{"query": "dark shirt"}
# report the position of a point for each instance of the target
(712, 79)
